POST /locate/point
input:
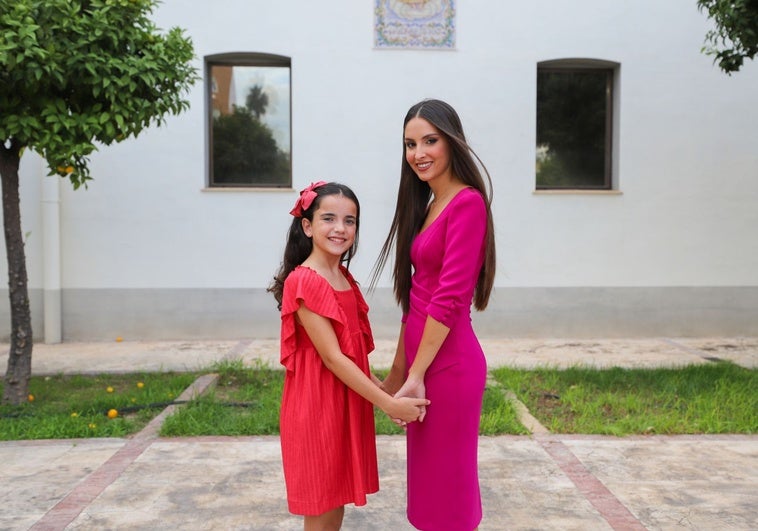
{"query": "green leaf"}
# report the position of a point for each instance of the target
(87, 71)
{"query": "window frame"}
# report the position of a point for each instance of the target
(612, 70)
(232, 59)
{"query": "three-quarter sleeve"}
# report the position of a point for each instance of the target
(463, 256)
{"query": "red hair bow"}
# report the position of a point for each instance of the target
(307, 195)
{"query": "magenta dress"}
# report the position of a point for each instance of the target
(443, 481)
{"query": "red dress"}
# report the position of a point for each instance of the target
(327, 430)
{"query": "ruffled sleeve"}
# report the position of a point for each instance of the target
(306, 286)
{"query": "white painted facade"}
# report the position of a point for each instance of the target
(148, 252)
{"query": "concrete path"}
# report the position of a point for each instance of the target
(543, 481)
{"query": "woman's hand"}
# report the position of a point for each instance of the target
(414, 388)
(403, 410)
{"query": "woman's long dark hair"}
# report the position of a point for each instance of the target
(299, 246)
(413, 198)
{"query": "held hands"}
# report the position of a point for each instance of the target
(414, 388)
(405, 409)
(402, 409)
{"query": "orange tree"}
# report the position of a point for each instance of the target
(735, 37)
(75, 74)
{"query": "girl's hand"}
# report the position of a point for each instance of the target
(406, 409)
(414, 388)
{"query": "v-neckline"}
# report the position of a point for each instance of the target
(442, 212)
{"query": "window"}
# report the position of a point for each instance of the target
(575, 108)
(248, 101)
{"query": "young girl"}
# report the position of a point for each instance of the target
(327, 422)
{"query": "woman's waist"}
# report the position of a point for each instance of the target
(421, 298)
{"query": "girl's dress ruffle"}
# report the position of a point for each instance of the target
(314, 291)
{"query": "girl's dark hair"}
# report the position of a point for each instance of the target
(299, 246)
(413, 198)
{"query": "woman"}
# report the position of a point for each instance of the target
(444, 257)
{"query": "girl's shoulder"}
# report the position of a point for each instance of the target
(303, 273)
(305, 283)
(311, 277)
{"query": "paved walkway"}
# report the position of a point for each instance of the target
(543, 481)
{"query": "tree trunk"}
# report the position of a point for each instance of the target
(16, 388)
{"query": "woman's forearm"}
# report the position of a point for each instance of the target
(396, 376)
(432, 338)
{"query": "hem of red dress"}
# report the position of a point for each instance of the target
(309, 510)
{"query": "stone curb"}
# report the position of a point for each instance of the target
(71, 506)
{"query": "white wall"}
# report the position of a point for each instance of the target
(687, 166)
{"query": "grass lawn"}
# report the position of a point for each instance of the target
(711, 398)
(246, 402)
(77, 406)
